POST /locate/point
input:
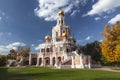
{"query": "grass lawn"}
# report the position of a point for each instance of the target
(42, 73)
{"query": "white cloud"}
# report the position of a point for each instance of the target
(48, 9)
(105, 17)
(4, 49)
(74, 12)
(104, 6)
(115, 19)
(37, 48)
(101, 40)
(15, 44)
(88, 38)
(97, 18)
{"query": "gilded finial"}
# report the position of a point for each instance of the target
(61, 13)
(47, 38)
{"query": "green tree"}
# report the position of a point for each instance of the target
(2, 60)
(93, 49)
(111, 44)
(23, 51)
(12, 54)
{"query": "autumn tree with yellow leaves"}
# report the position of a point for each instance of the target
(111, 44)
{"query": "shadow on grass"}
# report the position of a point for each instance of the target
(3, 73)
(7, 75)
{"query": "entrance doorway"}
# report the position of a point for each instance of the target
(47, 61)
(59, 60)
(40, 61)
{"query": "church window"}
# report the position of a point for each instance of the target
(59, 21)
(62, 21)
(67, 50)
(56, 34)
(42, 50)
(48, 49)
(51, 49)
(61, 48)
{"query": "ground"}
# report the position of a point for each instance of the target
(45, 73)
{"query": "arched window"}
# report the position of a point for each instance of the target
(42, 50)
(62, 21)
(67, 50)
(48, 49)
(61, 48)
(56, 34)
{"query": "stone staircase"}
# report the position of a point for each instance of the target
(68, 60)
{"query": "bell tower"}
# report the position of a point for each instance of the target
(60, 28)
(61, 20)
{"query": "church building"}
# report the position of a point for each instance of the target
(58, 50)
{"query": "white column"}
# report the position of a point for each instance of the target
(55, 60)
(89, 61)
(37, 60)
(73, 65)
(55, 52)
(30, 59)
(51, 59)
(65, 53)
(42, 64)
(81, 61)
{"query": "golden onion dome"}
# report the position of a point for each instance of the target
(64, 35)
(61, 13)
(47, 38)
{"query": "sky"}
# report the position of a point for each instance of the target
(27, 22)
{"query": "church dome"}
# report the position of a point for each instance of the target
(47, 38)
(64, 35)
(61, 13)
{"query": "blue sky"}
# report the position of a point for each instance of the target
(26, 22)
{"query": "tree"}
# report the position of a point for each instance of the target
(12, 54)
(93, 49)
(111, 44)
(2, 60)
(23, 51)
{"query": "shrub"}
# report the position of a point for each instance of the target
(3, 60)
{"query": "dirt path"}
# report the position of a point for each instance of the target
(106, 69)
